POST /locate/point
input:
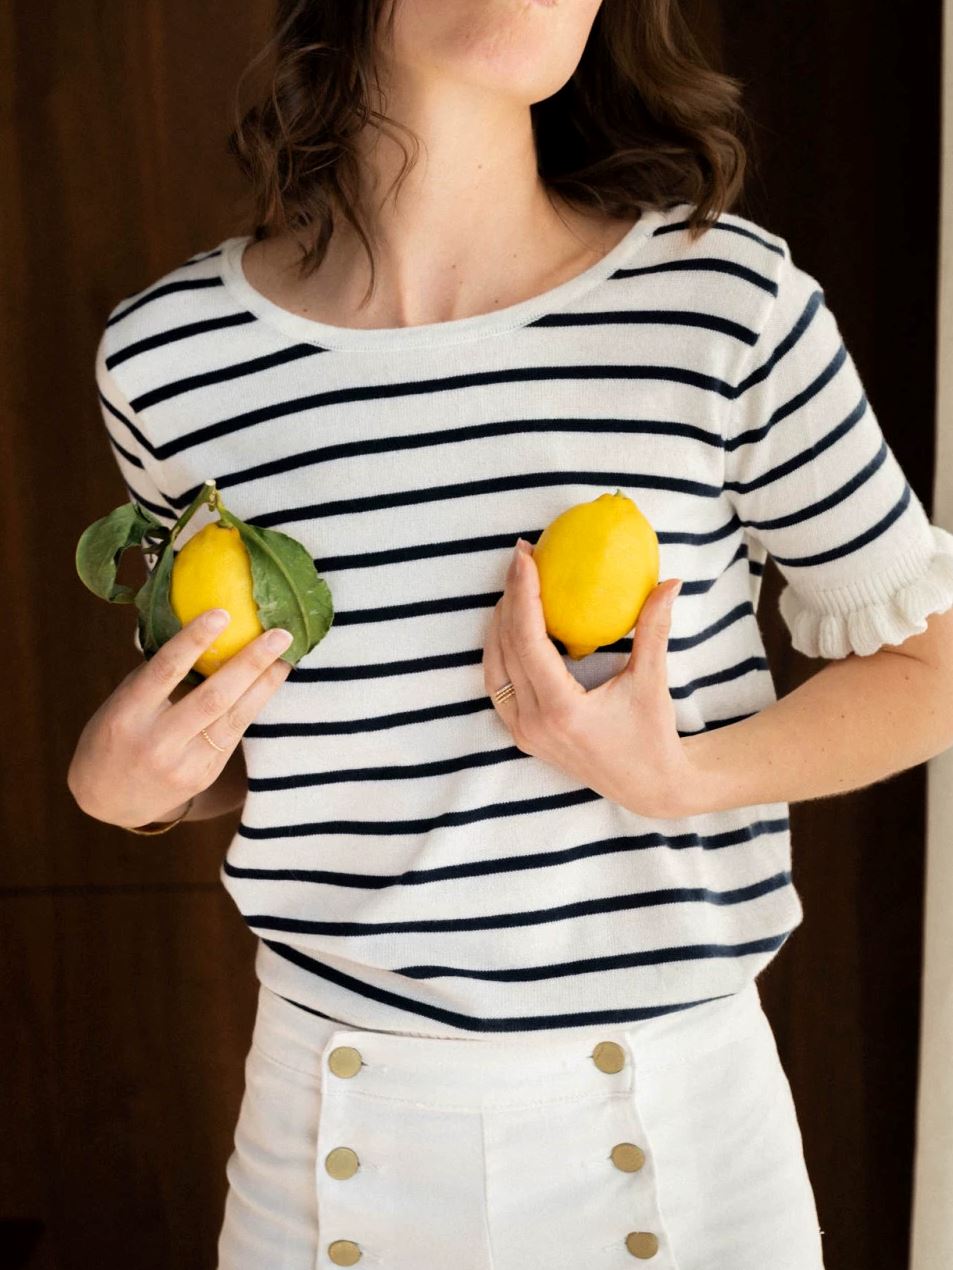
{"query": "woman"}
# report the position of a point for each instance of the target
(511, 906)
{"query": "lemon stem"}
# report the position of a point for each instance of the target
(207, 494)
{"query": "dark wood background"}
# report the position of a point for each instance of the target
(128, 982)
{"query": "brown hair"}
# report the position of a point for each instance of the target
(643, 121)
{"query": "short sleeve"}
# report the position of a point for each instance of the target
(812, 479)
(131, 450)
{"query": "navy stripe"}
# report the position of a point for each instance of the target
(490, 485)
(650, 317)
(448, 383)
(160, 512)
(453, 709)
(702, 263)
(617, 845)
(127, 423)
(453, 436)
(167, 288)
(489, 542)
(794, 403)
(223, 375)
(803, 457)
(473, 656)
(394, 771)
(590, 965)
(175, 333)
(132, 459)
(632, 902)
(423, 824)
(852, 544)
(678, 225)
(474, 1022)
(832, 500)
(478, 600)
(342, 727)
(796, 332)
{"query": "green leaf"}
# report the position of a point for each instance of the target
(101, 545)
(157, 619)
(288, 590)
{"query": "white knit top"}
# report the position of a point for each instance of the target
(405, 866)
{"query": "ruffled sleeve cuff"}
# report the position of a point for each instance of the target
(866, 614)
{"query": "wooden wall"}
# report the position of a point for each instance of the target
(128, 987)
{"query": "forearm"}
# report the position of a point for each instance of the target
(857, 721)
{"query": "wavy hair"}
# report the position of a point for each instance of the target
(643, 121)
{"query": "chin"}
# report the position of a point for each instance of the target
(525, 49)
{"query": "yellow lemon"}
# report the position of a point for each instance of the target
(212, 570)
(598, 563)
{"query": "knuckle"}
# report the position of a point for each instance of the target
(179, 778)
(213, 700)
(116, 727)
(523, 645)
(559, 716)
(260, 656)
(232, 723)
(164, 667)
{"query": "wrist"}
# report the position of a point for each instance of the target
(710, 781)
(184, 810)
(173, 817)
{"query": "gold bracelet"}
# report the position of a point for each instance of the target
(163, 828)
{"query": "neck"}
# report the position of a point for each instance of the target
(471, 228)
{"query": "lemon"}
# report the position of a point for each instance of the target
(598, 562)
(213, 570)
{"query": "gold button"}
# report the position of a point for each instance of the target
(608, 1056)
(344, 1252)
(642, 1243)
(341, 1162)
(345, 1061)
(628, 1157)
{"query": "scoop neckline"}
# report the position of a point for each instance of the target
(428, 334)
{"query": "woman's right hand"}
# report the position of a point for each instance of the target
(140, 755)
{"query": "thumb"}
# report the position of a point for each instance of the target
(650, 637)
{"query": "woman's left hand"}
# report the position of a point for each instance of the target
(620, 738)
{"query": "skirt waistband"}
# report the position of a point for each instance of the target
(459, 1072)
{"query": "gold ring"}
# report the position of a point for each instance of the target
(504, 693)
(211, 742)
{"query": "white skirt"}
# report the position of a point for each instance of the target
(671, 1143)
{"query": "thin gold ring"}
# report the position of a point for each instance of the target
(211, 742)
(504, 693)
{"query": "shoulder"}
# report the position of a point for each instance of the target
(745, 269)
(745, 246)
(190, 290)
(162, 318)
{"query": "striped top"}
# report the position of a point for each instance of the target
(404, 865)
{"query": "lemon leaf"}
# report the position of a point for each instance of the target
(288, 589)
(157, 619)
(101, 545)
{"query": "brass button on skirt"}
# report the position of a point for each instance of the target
(341, 1162)
(344, 1252)
(345, 1060)
(642, 1243)
(627, 1157)
(604, 1146)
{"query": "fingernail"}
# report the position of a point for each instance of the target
(278, 639)
(217, 618)
(671, 594)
